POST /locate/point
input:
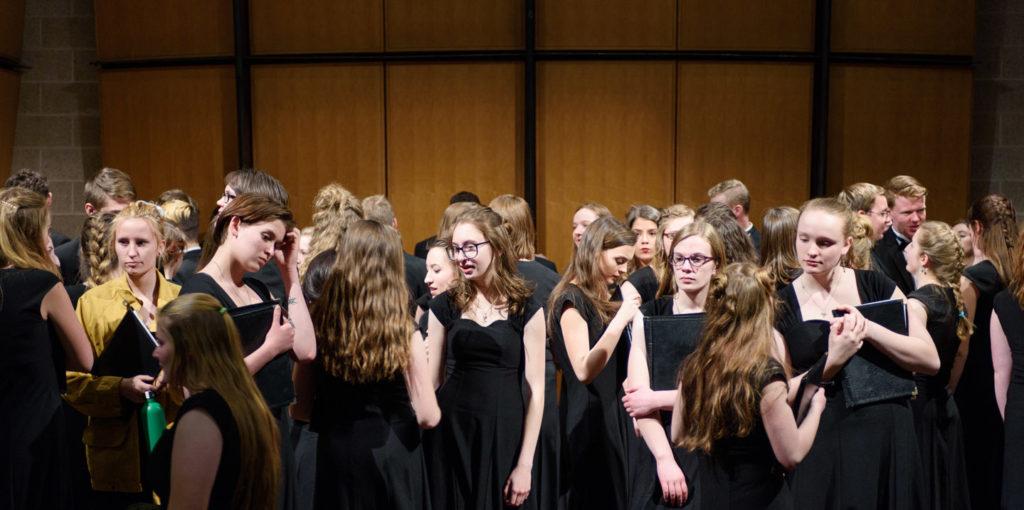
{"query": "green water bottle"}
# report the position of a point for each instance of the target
(153, 421)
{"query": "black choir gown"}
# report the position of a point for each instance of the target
(274, 380)
(976, 397)
(1011, 318)
(369, 449)
(862, 457)
(476, 445)
(645, 281)
(595, 426)
(646, 488)
(32, 456)
(742, 473)
(936, 418)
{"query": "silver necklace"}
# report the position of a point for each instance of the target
(232, 292)
(824, 311)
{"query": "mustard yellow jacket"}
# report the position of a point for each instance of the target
(112, 434)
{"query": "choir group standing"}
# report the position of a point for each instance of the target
(392, 381)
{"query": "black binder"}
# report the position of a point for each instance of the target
(669, 340)
(253, 323)
(129, 352)
(871, 376)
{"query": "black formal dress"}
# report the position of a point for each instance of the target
(230, 463)
(369, 448)
(1011, 318)
(595, 426)
(742, 473)
(32, 457)
(68, 255)
(976, 397)
(936, 418)
(189, 266)
(476, 445)
(645, 281)
(545, 465)
(646, 488)
(862, 457)
(274, 380)
(889, 258)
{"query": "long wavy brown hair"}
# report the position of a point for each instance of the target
(23, 221)
(584, 270)
(946, 259)
(208, 355)
(720, 384)
(249, 209)
(505, 280)
(334, 210)
(997, 218)
(361, 319)
(778, 244)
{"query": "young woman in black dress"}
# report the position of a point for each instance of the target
(373, 390)
(864, 456)
(695, 255)
(1007, 329)
(647, 278)
(746, 428)
(994, 222)
(222, 451)
(32, 471)
(586, 329)
(491, 334)
(251, 231)
(935, 261)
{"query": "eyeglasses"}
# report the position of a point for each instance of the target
(881, 214)
(467, 250)
(696, 261)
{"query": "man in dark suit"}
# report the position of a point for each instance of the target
(906, 198)
(378, 208)
(734, 194)
(422, 247)
(110, 191)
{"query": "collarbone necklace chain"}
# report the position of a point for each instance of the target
(824, 309)
(238, 296)
(485, 313)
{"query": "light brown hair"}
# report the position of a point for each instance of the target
(903, 186)
(361, 318)
(23, 221)
(141, 210)
(605, 233)
(451, 215)
(778, 244)
(834, 207)
(108, 183)
(334, 209)
(738, 246)
(863, 235)
(703, 230)
(734, 191)
(861, 196)
(596, 208)
(378, 208)
(208, 355)
(721, 383)
(515, 212)
(99, 261)
(183, 212)
(995, 216)
(946, 259)
(249, 209)
(257, 182)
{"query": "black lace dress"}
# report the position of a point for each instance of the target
(862, 457)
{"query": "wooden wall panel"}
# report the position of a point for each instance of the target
(746, 121)
(885, 121)
(451, 127)
(313, 125)
(9, 84)
(171, 128)
(605, 133)
(130, 29)
(611, 24)
(316, 26)
(937, 26)
(453, 24)
(746, 25)
(12, 22)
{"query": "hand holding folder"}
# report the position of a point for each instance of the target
(129, 352)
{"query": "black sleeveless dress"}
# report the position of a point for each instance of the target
(976, 397)
(742, 472)
(595, 426)
(862, 457)
(646, 489)
(936, 418)
(274, 380)
(32, 456)
(369, 452)
(230, 462)
(1011, 318)
(476, 446)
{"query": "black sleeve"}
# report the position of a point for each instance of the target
(572, 295)
(202, 283)
(443, 309)
(773, 372)
(646, 283)
(874, 286)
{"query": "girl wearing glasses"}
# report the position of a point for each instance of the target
(864, 456)
(491, 334)
(696, 252)
(586, 330)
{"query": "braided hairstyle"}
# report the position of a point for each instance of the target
(996, 219)
(940, 243)
(859, 255)
(99, 262)
(334, 209)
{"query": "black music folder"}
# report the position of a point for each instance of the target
(253, 323)
(669, 340)
(871, 376)
(129, 352)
